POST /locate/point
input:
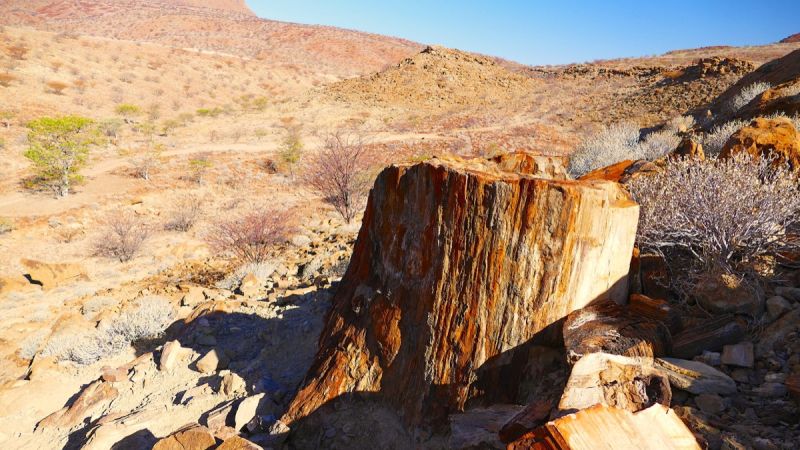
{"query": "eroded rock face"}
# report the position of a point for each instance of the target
(765, 136)
(458, 262)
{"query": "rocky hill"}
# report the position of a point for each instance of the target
(791, 39)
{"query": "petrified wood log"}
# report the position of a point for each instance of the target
(655, 309)
(603, 427)
(457, 262)
(606, 327)
(711, 335)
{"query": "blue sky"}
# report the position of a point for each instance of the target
(553, 32)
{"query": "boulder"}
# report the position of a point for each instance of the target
(621, 172)
(246, 411)
(727, 293)
(631, 384)
(764, 136)
(655, 309)
(238, 443)
(709, 335)
(790, 293)
(740, 355)
(250, 285)
(189, 437)
(695, 377)
(710, 403)
(232, 384)
(211, 362)
(171, 354)
(90, 402)
(777, 306)
(50, 275)
(458, 262)
(688, 149)
(775, 335)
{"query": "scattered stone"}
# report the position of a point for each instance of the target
(220, 417)
(777, 331)
(777, 306)
(696, 377)
(771, 390)
(764, 137)
(791, 293)
(710, 403)
(238, 443)
(710, 358)
(310, 269)
(300, 240)
(189, 437)
(233, 384)
(740, 354)
(211, 362)
(726, 293)
(171, 353)
(115, 375)
(250, 285)
(194, 297)
(192, 393)
(246, 411)
(91, 399)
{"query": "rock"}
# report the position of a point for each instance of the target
(613, 380)
(238, 443)
(777, 306)
(710, 358)
(621, 172)
(775, 334)
(115, 375)
(189, 437)
(655, 309)
(232, 384)
(479, 427)
(300, 240)
(193, 297)
(695, 377)
(457, 262)
(688, 149)
(532, 416)
(710, 403)
(92, 399)
(550, 167)
(50, 275)
(771, 390)
(171, 354)
(766, 136)
(190, 394)
(250, 285)
(310, 269)
(606, 327)
(220, 417)
(740, 354)
(246, 411)
(791, 293)
(211, 362)
(792, 384)
(709, 335)
(727, 293)
(604, 427)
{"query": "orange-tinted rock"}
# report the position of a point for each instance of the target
(551, 167)
(620, 172)
(655, 309)
(779, 99)
(764, 137)
(655, 428)
(93, 398)
(689, 149)
(189, 437)
(238, 443)
(457, 262)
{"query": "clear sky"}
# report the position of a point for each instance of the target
(553, 32)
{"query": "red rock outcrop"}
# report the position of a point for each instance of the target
(765, 136)
(458, 262)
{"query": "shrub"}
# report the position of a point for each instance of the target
(340, 173)
(747, 94)
(58, 150)
(144, 163)
(122, 238)
(617, 143)
(18, 51)
(680, 124)
(714, 140)
(291, 150)
(712, 215)
(57, 87)
(184, 214)
(147, 320)
(109, 128)
(128, 111)
(6, 226)
(250, 237)
(198, 166)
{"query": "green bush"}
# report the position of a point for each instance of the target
(58, 147)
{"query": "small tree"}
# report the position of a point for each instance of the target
(122, 238)
(250, 237)
(57, 87)
(18, 51)
(58, 149)
(127, 111)
(291, 150)
(198, 166)
(185, 212)
(340, 173)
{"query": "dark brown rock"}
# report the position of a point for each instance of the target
(710, 335)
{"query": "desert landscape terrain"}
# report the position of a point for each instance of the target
(224, 231)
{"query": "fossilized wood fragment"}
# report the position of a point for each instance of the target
(456, 262)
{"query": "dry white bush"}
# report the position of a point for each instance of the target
(147, 320)
(123, 237)
(718, 214)
(617, 143)
(680, 124)
(714, 140)
(184, 213)
(261, 270)
(30, 345)
(747, 94)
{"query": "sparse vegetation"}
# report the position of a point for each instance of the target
(184, 213)
(747, 94)
(291, 150)
(6, 79)
(714, 140)
(58, 150)
(128, 111)
(718, 216)
(57, 87)
(123, 236)
(617, 143)
(250, 237)
(198, 166)
(18, 51)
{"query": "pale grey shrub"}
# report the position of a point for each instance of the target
(30, 345)
(680, 124)
(718, 214)
(261, 270)
(747, 94)
(714, 140)
(617, 143)
(147, 320)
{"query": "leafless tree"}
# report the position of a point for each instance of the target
(251, 237)
(123, 237)
(339, 172)
(184, 214)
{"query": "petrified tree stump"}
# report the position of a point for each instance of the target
(457, 262)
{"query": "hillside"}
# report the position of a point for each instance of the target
(229, 29)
